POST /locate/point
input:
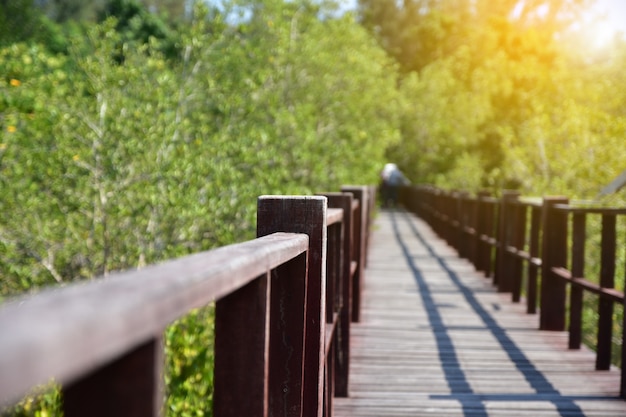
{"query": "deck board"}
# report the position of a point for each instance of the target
(436, 339)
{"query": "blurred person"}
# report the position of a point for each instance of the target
(391, 179)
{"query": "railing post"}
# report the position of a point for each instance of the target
(622, 385)
(503, 276)
(579, 235)
(454, 221)
(474, 240)
(296, 369)
(360, 230)
(489, 215)
(131, 386)
(439, 199)
(241, 348)
(554, 253)
(342, 362)
(534, 250)
(463, 208)
(483, 252)
(607, 280)
(518, 240)
(371, 211)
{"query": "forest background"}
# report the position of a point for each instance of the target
(132, 132)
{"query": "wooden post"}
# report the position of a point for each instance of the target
(359, 193)
(607, 280)
(477, 225)
(241, 350)
(297, 215)
(490, 222)
(342, 363)
(463, 207)
(483, 251)
(579, 235)
(131, 386)
(518, 239)
(333, 294)
(439, 204)
(534, 250)
(554, 250)
(506, 224)
(622, 385)
(452, 210)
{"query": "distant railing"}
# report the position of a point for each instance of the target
(284, 303)
(510, 237)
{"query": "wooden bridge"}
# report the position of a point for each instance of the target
(319, 317)
(437, 339)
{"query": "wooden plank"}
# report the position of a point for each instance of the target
(119, 313)
(437, 339)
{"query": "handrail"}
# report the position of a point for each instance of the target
(284, 303)
(115, 314)
(511, 237)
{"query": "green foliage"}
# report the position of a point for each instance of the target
(137, 26)
(44, 401)
(21, 21)
(189, 376)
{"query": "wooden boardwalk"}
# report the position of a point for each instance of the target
(435, 339)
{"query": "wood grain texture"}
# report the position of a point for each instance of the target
(359, 230)
(345, 202)
(299, 214)
(436, 339)
(70, 331)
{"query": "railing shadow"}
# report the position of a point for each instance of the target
(461, 390)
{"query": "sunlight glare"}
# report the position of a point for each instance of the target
(605, 20)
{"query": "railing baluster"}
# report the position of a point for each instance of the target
(479, 225)
(359, 228)
(342, 363)
(579, 235)
(241, 346)
(333, 292)
(534, 251)
(130, 386)
(503, 276)
(554, 250)
(490, 221)
(518, 239)
(607, 280)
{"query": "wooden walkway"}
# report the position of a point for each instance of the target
(435, 339)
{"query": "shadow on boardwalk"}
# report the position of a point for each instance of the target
(436, 339)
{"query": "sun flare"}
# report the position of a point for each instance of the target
(603, 22)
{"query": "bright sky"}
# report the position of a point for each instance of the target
(614, 12)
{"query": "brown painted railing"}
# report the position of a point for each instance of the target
(283, 307)
(510, 238)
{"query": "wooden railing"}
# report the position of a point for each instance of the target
(283, 307)
(510, 238)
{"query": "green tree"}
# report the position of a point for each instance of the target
(22, 21)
